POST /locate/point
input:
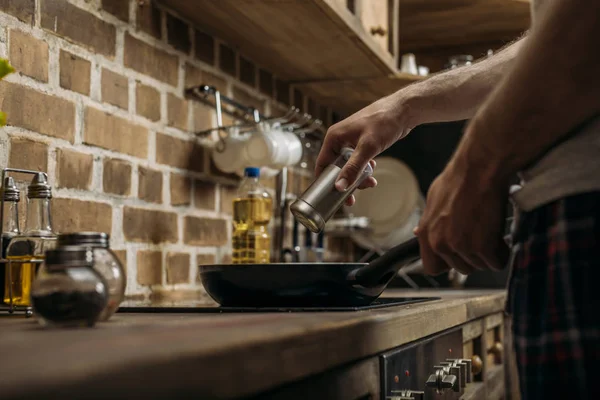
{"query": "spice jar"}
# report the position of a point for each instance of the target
(68, 291)
(105, 262)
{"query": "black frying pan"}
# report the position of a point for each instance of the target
(305, 284)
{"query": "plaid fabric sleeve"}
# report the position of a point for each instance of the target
(554, 299)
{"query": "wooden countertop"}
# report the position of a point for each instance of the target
(214, 355)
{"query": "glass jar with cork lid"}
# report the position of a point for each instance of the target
(105, 262)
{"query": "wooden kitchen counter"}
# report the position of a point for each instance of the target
(215, 355)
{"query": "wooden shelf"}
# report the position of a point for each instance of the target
(449, 23)
(295, 39)
(351, 95)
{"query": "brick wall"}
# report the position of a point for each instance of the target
(98, 104)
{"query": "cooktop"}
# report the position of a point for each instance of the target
(196, 307)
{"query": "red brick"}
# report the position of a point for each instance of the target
(75, 73)
(227, 60)
(28, 55)
(181, 186)
(21, 9)
(151, 61)
(74, 169)
(71, 215)
(203, 117)
(116, 177)
(177, 112)
(114, 133)
(149, 18)
(147, 102)
(178, 34)
(28, 154)
(205, 231)
(228, 194)
(179, 153)
(283, 92)
(265, 82)
(195, 76)
(204, 195)
(205, 47)
(118, 8)
(178, 268)
(79, 26)
(247, 72)
(149, 267)
(142, 225)
(150, 185)
(36, 111)
(115, 89)
(249, 100)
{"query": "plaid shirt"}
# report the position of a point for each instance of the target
(554, 299)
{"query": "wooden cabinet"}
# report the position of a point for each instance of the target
(376, 19)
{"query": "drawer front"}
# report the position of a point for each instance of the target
(375, 18)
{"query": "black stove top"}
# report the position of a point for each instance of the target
(195, 307)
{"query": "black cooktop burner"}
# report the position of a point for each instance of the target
(174, 308)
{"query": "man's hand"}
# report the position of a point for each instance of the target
(369, 131)
(463, 223)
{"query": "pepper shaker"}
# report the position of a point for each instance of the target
(321, 200)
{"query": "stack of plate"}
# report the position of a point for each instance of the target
(393, 207)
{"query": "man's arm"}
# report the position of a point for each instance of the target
(553, 87)
(449, 96)
(457, 94)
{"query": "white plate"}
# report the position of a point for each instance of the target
(393, 206)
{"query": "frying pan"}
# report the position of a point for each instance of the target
(306, 284)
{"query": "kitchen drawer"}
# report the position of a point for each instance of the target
(379, 19)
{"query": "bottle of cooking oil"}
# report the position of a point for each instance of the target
(10, 223)
(31, 244)
(252, 212)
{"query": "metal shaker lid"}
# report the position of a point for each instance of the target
(39, 187)
(70, 256)
(92, 239)
(10, 190)
(307, 216)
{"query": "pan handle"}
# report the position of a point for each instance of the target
(382, 270)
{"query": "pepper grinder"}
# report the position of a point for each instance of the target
(321, 200)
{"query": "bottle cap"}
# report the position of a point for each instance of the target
(92, 239)
(39, 188)
(252, 172)
(10, 190)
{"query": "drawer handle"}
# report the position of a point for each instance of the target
(378, 30)
(476, 364)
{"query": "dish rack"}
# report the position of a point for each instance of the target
(10, 307)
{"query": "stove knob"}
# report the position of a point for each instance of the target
(476, 365)
(455, 371)
(450, 382)
(416, 394)
(469, 369)
(464, 370)
(496, 350)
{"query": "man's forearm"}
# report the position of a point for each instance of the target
(457, 94)
(552, 88)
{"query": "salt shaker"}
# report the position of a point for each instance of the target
(321, 200)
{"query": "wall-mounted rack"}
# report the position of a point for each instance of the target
(8, 263)
(293, 121)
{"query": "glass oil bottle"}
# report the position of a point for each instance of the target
(26, 251)
(10, 222)
(252, 212)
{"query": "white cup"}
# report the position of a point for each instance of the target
(423, 70)
(232, 159)
(408, 64)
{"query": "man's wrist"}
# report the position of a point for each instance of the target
(479, 161)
